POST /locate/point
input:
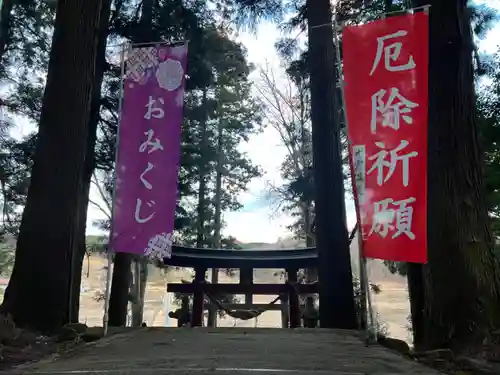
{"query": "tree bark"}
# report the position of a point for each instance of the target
(38, 292)
(200, 273)
(462, 277)
(336, 303)
(311, 273)
(212, 312)
(95, 109)
(120, 290)
(136, 293)
(416, 294)
(202, 171)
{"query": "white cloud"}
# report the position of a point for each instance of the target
(256, 225)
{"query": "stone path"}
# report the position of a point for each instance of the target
(237, 351)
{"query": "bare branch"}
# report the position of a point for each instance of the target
(102, 194)
(287, 107)
(101, 208)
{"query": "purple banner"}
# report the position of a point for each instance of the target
(149, 151)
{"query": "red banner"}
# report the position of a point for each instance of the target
(385, 72)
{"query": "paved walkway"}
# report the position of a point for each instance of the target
(225, 351)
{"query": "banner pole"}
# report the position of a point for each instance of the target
(109, 249)
(363, 276)
(107, 292)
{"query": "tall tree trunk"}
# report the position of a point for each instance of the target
(135, 292)
(212, 313)
(39, 288)
(122, 286)
(146, 22)
(306, 206)
(311, 273)
(95, 109)
(143, 280)
(336, 304)
(198, 298)
(202, 171)
(462, 277)
(416, 294)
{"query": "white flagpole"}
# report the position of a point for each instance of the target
(363, 279)
(109, 249)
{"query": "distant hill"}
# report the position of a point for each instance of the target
(94, 239)
(285, 243)
(254, 245)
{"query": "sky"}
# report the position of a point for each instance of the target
(258, 221)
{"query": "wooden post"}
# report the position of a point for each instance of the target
(246, 278)
(293, 299)
(198, 297)
(212, 308)
(285, 316)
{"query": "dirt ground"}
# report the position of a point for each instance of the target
(391, 304)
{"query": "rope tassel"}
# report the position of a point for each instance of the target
(241, 314)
